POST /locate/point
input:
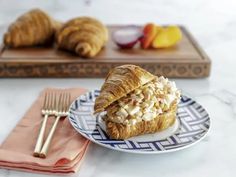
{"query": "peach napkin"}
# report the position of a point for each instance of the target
(67, 149)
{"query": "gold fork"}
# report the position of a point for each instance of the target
(61, 110)
(47, 110)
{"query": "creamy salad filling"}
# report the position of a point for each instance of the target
(144, 103)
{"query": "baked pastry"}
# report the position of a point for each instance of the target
(32, 28)
(84, 36)
(136, 102)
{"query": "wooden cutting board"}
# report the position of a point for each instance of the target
(186, 60)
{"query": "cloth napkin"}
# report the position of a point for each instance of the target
(67, 148)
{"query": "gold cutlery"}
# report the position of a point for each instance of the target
(47, 110)
(61, 110)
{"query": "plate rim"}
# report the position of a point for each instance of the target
(138, 151)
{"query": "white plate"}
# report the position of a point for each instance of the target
(192, 125)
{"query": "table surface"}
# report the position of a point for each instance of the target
(212, 23)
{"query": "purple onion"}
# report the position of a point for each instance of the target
(127, 36)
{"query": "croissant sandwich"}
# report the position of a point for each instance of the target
(32, 28)
(136, 102)
(84, 36)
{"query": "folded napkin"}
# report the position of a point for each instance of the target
(67, 148)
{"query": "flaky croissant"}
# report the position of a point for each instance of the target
(120, 81)
(84, 36)
(32, 28)
(136, 102)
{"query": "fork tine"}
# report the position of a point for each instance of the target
(59, 102)
(65, 102)
(52, 101)
(68, 102)
(45, 100)
(49, 100)
(52, 104)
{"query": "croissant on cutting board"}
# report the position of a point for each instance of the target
(136, 102)
(84, 36)
(34, 27)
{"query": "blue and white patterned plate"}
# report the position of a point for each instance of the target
(192, 126)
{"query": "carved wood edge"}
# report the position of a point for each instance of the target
(94, 70)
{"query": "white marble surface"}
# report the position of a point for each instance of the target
(213, 23)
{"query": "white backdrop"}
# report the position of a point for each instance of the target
(212, 22)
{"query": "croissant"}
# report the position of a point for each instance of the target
(136, 102)
(32, 28)
(84, 36)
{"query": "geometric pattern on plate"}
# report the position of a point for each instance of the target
(194, 123)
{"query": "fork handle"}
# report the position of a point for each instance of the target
(47, 143)
(39, 142)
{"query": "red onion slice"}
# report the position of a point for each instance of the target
(126, 37)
